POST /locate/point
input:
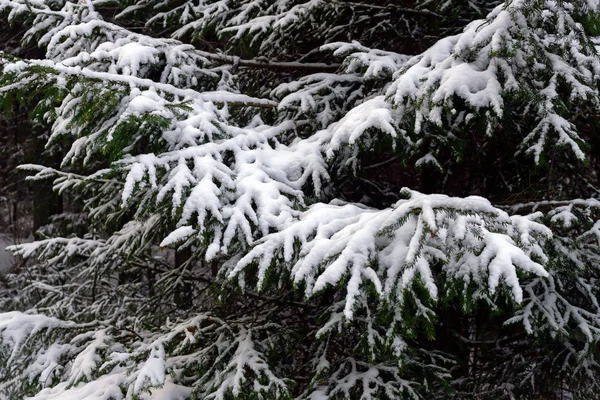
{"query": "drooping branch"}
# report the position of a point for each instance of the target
(218, 97)
(391, 7)
(271, 65)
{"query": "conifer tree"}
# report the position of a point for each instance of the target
(325, 199)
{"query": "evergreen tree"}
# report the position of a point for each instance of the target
(316, 200)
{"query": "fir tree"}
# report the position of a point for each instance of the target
(276, 199)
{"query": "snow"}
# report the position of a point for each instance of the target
(146, 102)
(215, 96)
(377, 62)
(374, 113)
(178, 235)
(169, 391)
(485, 63)
(345, 239)
(233, 376)
(246, 180)
(87, 361)
(16, 328)
(102, 388)
(153, 370)
(47, 364)
(132, 55)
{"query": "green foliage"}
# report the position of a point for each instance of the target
(243, 227)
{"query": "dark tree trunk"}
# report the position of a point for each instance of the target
(183, 294)
(46, 202)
